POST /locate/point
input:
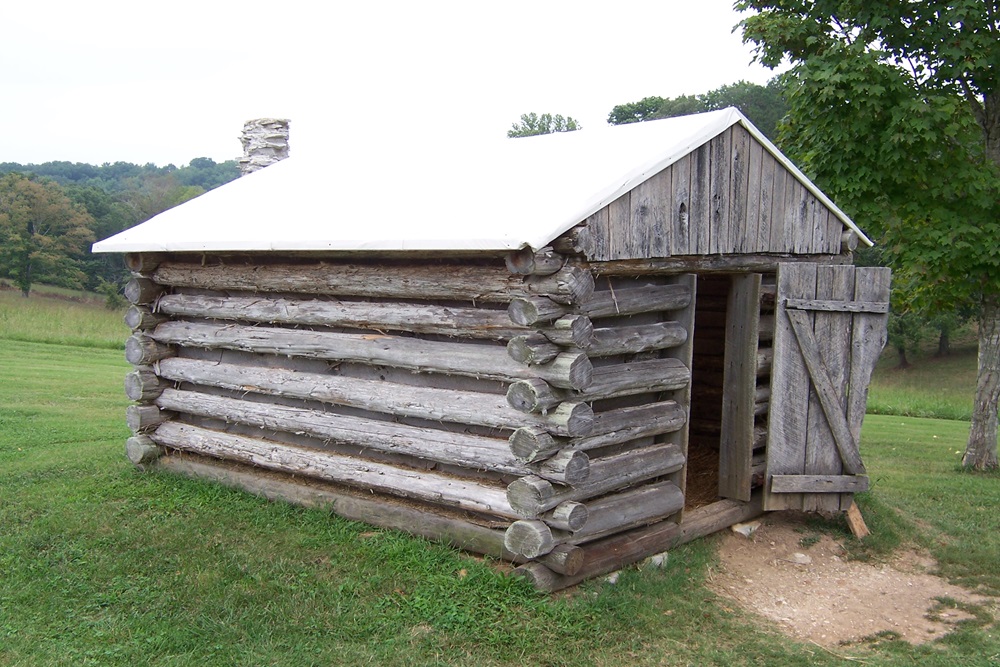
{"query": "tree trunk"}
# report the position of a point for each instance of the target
(903, 361)
(944, 344)
(981, 451)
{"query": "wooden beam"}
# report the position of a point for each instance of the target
(819, 483)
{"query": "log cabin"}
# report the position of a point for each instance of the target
(570, 351)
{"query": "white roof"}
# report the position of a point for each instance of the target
(434, 193)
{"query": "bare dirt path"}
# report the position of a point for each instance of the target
(801, 580)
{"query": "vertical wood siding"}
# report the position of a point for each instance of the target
(728, 196)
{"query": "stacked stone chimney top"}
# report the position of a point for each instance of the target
(265, 141)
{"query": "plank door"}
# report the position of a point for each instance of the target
(830, 327)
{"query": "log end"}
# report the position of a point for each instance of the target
(527, 494)
(142, 451)
(530, 539)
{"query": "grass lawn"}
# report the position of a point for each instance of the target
(103, 565)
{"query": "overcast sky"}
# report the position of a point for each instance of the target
(165, 82)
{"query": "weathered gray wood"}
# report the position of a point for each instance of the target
(710, 264)
(833, 328)
(142, 262)
(141, 318)
(142, 451)
(740, 379)
(141, 291)
(700, 208)
(413, 281)
(531, 496)
(458, 449)
(565, 559)
(633, 507)
(143, 384)
(141, 418)
(721, 150)
(378, 316)
(637, 377)
(571, 330)
(528, 262)
(819, 484)
(625, 424)
(740, 222)
(683, 355)
(607, 555)
(369, 475)
(571, 370)
(838, 306)
(789, 408)
(576, 241)
(141, 350)
(868, 337)
(827, 394)
(634, 339)
(530, 539)
(532, 349)
(568, 516)
(768, 166)
(777, 240)
(378, 510)
(461, 407)
(849, 241)
(531, 443)
(533, 395)
(679, 207)
(713, 518)
(750, 233)
(567, 466)
(528, 311)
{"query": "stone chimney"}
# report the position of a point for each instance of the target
(265, 141)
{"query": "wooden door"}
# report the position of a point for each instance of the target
(830, 326)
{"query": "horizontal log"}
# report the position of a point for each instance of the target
(606, 555)
(637, 378)
(568, 516)
(849, 241)
(460, 407)
(568, 466)
(378, 510)
(819, 483)
(566, 559)
(533, 395)
(410, 281)
(618, 512)
(528, 262)
(569, 370)
(532, 349)
(709, 264)
(377, 316)
(617, 551)
(575, 241)
(141, 350)
(531, 443)
(625, 424)
(530, 539)
(141, 450)
(531, 496)
(570, 330)
(142, 291)
(529, 310)
(143, 384)
(142, 318)
(142, 418)
(143, 262)
(458, 449)
(634, 339)
(426, 486)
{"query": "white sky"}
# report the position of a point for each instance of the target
(165, 82)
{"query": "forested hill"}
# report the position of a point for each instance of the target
(50, 213)
(118, 177)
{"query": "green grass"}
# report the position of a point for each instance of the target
(104, 565)
(53, 315)
(936, 387)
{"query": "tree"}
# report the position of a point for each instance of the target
(533, 124)
(43, 235)
(895, 111)
(763, 105)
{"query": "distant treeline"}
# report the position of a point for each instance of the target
(50, 213)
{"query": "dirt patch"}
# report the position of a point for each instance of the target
(801, 580)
